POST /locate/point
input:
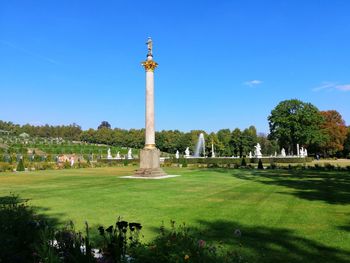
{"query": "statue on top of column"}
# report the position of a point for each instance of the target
(149, 46)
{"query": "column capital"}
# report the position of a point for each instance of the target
(149, 65)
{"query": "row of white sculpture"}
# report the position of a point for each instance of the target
(117, 157)
(301, 152)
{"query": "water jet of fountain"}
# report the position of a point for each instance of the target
(200, 146)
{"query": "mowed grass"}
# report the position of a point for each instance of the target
(284, 216)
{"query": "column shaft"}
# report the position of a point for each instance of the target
(150, 131)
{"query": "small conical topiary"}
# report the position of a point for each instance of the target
(243, 163)
(260, 164)
(20, 166)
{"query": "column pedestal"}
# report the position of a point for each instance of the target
(149, 163)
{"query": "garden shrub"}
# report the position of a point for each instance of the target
(184, 162)
(273, 165)
(329, 166)
(4, 166)
(19, 229)
(20, 166)
(67, 165)
(49, 158)
(243, 163)
(44, 166)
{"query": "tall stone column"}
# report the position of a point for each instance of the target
(149, 155)
(150, 66)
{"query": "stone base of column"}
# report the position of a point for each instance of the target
(150, 164)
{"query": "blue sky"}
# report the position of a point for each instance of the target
(222, 64)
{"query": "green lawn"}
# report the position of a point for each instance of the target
(284, 216)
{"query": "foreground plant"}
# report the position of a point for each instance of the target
(26, 237)
(20, 230)
(117, 239)
(180, 244)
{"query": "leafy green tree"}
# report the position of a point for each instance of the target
(88, 136)
(249, 139)
(294, 121)
(104, 136)
(104, 124)
(346, 150)
(335, 132)
(212, 138)
(236, 142)
(268, 147)
(184, 141)
(171, 141)
(224, 136)
(120, 137)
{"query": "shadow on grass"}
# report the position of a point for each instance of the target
(266, 244)
(332, 187)
(345, 227)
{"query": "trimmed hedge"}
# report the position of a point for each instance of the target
(6, 167)
(119, 162)
(235, 161)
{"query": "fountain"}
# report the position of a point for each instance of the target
(200, 146)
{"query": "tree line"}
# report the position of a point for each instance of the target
(295, 122)
(291, 122)
(226, 142)
(71, 132)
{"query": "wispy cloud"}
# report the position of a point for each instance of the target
(343, 87)
(332, 86)
(252, 83)
(44, 58)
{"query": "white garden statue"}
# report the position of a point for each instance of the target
(71, 161)
(303, 152)
(257, 151)
(177, 154)
(187, 152)
(129, 154)
(109, 155)
(283, 152)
